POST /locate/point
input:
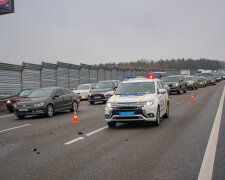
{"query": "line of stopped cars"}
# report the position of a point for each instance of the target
(134, 99)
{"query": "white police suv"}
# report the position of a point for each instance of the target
(138, 99)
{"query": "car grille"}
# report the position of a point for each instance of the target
(127, 117)
(95, 96)
(126, 109)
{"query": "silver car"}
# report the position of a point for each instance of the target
(47, 101)
(83, 90)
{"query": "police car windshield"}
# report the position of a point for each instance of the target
(136, 88)
(83, 87)
(171, 79)
(104, 85)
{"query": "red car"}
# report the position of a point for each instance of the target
(19, 96)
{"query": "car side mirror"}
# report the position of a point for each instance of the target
(162, 91)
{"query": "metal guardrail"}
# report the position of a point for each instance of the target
(13, 78)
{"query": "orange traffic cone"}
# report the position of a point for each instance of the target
(192, 97)
(75, 119)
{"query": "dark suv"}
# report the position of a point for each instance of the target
(47, 101)
(103, 91)
(176, 83)
(192, 83)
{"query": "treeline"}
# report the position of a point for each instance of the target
(171, 64)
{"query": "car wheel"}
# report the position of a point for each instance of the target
(74, 106)
(50, 110)
(111, 124)
(185, 90)
(157, 121)
(11, 110)
(167, 111)
(179, 91)
(92, 102)
(21, 116)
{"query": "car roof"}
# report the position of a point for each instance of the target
(109, 81)
(135, 80)
(175, 75)
(85, 84)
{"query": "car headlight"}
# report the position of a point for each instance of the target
(8, 101)
(147, 103)
(39, 104)
(110, 104)
(175, 84)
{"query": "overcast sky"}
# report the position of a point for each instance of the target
(98, 31)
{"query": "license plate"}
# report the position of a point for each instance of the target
(23, 109)
(131, 113)
(98, 97)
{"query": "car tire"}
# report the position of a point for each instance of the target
(179, 91)
(21, 116)
(50, 110)
(92, 102)
(111, 124)
(11, 110)
(167, 111)
(74, 106)
(157, 121)
(185, 90)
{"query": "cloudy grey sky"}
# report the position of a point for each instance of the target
(98, 31)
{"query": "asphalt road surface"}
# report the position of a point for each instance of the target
(55, 148)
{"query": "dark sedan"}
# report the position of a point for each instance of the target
(201, 81)
(47, 101)
(210, 80)
(18, 97)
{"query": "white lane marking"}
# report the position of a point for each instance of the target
(74, 140)
(6, 116)
(206, 170)
(15, 127)
(93, 132)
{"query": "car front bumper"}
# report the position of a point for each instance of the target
(174, 88)
(83, 96)
(97, 98)
(144, 113)
(30, 111)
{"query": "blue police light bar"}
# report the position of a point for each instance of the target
(132, 77)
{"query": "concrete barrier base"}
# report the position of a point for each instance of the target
(3, 106)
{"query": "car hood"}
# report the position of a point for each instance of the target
(81, 91)
(171, 83)
(28, 101)
(17, 98)
(94, 91)
(131, 98)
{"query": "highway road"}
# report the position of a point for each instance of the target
(182, 147)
